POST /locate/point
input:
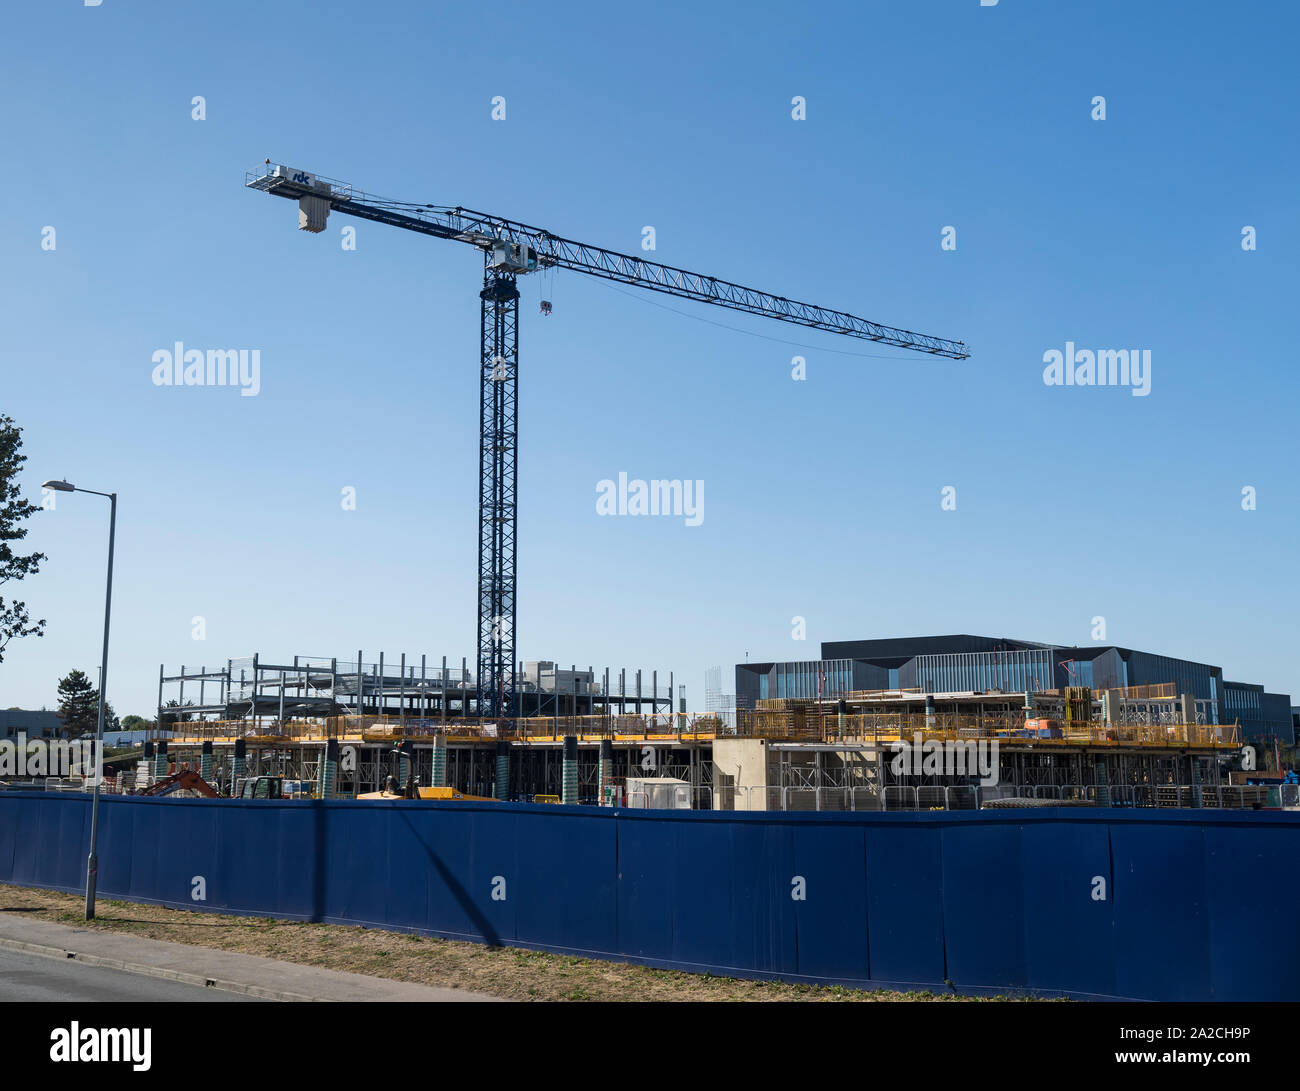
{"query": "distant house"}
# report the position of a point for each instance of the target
(35, 724)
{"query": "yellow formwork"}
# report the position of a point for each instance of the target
(666, 728)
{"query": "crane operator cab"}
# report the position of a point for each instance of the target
(262, 788)
(513, 257)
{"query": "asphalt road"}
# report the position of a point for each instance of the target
(34, 978)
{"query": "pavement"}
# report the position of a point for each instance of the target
(40, 979)
(251, 976)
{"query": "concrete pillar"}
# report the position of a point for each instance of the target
(238, 764)
(502, 787)
(407, 750)
(205, 761)
(439, 777)
(743, 762)
(160, 764)
(327, 775)
(1102, 779)
(606, 768)
(569, 774)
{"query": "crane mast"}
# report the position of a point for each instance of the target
(512, 249)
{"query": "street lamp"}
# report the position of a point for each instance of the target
(92, 862)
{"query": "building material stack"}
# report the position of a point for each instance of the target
(785, 718)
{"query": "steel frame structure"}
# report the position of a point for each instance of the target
(409, 688)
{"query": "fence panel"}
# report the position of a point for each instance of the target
(991, 899)
(900, 797)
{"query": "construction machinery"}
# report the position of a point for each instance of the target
(436, 795)
(261, 788)
(510, 250)
(183, 780)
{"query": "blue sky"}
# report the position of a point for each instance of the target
(822, 497)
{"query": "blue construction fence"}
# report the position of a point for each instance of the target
(1151, 905)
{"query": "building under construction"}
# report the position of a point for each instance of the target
(904, 749)
(347, 728)
(412, 717)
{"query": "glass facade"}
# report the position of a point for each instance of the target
(1029, 671)
(966, 664)
(802, 679)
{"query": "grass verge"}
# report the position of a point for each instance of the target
(507, 972)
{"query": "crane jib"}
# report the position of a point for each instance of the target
(552, 251)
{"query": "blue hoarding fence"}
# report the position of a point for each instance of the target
(1094, 903)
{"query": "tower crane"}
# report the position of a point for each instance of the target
(510, 250)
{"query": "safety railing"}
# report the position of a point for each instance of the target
(931, 797)
(900, 797)
(809, 722)
(908, 797)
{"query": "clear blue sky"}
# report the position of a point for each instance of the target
(822, 497)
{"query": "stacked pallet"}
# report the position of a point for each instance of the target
(784, 718)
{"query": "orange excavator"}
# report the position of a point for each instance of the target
(180, 781)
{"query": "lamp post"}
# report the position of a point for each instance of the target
(92, 861)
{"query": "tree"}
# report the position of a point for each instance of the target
(136, 723)
(78, 704)
(171, 716)
(14, 620)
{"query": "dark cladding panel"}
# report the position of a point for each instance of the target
(908, 646)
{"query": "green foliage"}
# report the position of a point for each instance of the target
(15, 622)
(78, 703)
(79, 706)
(172, 716)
